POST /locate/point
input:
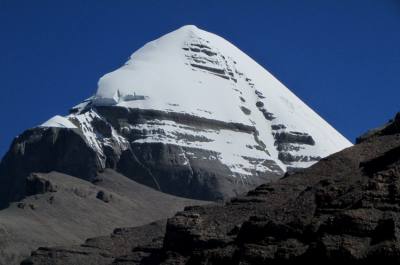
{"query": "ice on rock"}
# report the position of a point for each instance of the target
(59, 122)
(117, 97)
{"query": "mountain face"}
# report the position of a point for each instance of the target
(188, 114)
(344, 209)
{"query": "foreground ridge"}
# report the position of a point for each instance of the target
(345, 208)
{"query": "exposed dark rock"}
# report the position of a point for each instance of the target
(102, 127)
(104, 250)
(259, 104)
(103, 196)
(160, 166)
(288, 158)
(293, 137)
(287, 141)
(44, 150)
(245, 110)
(267, 115)
(278, 127)
(391, 127)
(217, 71)
(37, 185)
(259, 93)
(117, 115)
(208, 52)
(32, 206)
(200, 45)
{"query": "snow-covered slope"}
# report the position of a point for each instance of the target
(194, 90)
(58, 121)
(196, 72)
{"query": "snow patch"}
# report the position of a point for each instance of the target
(59, 122)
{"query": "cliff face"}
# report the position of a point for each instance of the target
(110, 137)
(345, 208)
(44, 150)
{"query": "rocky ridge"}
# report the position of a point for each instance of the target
(345, 208)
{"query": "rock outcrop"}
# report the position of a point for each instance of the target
(344, 209)
(44, 150)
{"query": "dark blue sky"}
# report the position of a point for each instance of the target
(341, 57)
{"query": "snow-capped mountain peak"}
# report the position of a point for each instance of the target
(198, 73)
(197, 92)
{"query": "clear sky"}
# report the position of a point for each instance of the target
(340, 57)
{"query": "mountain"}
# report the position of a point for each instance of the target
(344, 209)
(60, 209)
(188, 114)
